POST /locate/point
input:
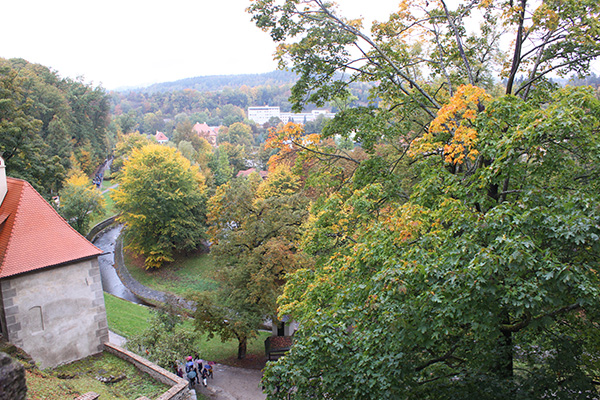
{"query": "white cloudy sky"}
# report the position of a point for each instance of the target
(117, 43)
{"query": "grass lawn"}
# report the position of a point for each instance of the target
(72, 380)
(127, 319)
(183, 276)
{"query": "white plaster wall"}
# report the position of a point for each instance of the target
(59, 313)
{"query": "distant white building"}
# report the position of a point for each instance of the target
(301, 118)
(260, 115)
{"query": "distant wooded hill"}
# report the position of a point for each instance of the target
(219, 82)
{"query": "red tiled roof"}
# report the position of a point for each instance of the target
(245, 173)
(199, 128)
(33, 235)
(161, 136)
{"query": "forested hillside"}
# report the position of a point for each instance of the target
(216, 100)
(49, 124)
(219, 82)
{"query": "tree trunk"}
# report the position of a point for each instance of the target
(504, 352)
(504, 366)
(242, 342)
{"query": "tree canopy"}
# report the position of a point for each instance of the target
(162, 201)
(457, 255)
(78, 200)
(49, 125)
(255, 231)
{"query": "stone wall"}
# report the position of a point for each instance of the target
(96, 229)
(179, 386)
(12, 379)
(56, 315)
(145, 293)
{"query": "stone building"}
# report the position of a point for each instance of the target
(51, 299)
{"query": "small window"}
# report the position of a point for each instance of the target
(36, 321)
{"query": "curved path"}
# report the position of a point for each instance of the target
(111, 283)
(229, 383)
(117, 280)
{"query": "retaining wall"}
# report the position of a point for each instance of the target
(151, 296)
(99, 227)
(179, 386)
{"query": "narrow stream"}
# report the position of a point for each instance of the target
(110, 280)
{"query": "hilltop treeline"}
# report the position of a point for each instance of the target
(219, 82)
(49, 124)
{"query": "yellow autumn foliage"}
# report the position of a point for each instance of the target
(454, 120)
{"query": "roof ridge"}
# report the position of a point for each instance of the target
(56, 212)
(30, 243)
(12, 225)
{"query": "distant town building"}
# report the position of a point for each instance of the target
(161, 137)
(207, 132)
(260, 115)
(246, 173)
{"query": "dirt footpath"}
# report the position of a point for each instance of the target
(232, 383)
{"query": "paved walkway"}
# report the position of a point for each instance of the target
(117, 339)
(228, 383)
(231, 383)
(116, 185)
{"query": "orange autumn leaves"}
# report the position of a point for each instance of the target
(288, 139)
(452, 132)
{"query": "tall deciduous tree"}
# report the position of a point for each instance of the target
(162, 202)
(479, 279)
(125, 146)
(238, 133)
(219, 165)
(78, 200)
(255, 243)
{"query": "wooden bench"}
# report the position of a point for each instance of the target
(277, 346)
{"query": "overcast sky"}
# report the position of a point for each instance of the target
(116, 43)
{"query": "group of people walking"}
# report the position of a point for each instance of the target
(196, 370)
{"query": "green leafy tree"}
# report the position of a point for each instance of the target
(128, 122)
(125, 146)
(79, 200)
(152, 123)
(45, 120)
(238, 133)
(472, 275)
(254, 240)
(165, 340)
(187, 150)
(219, 165)
(162, 202)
